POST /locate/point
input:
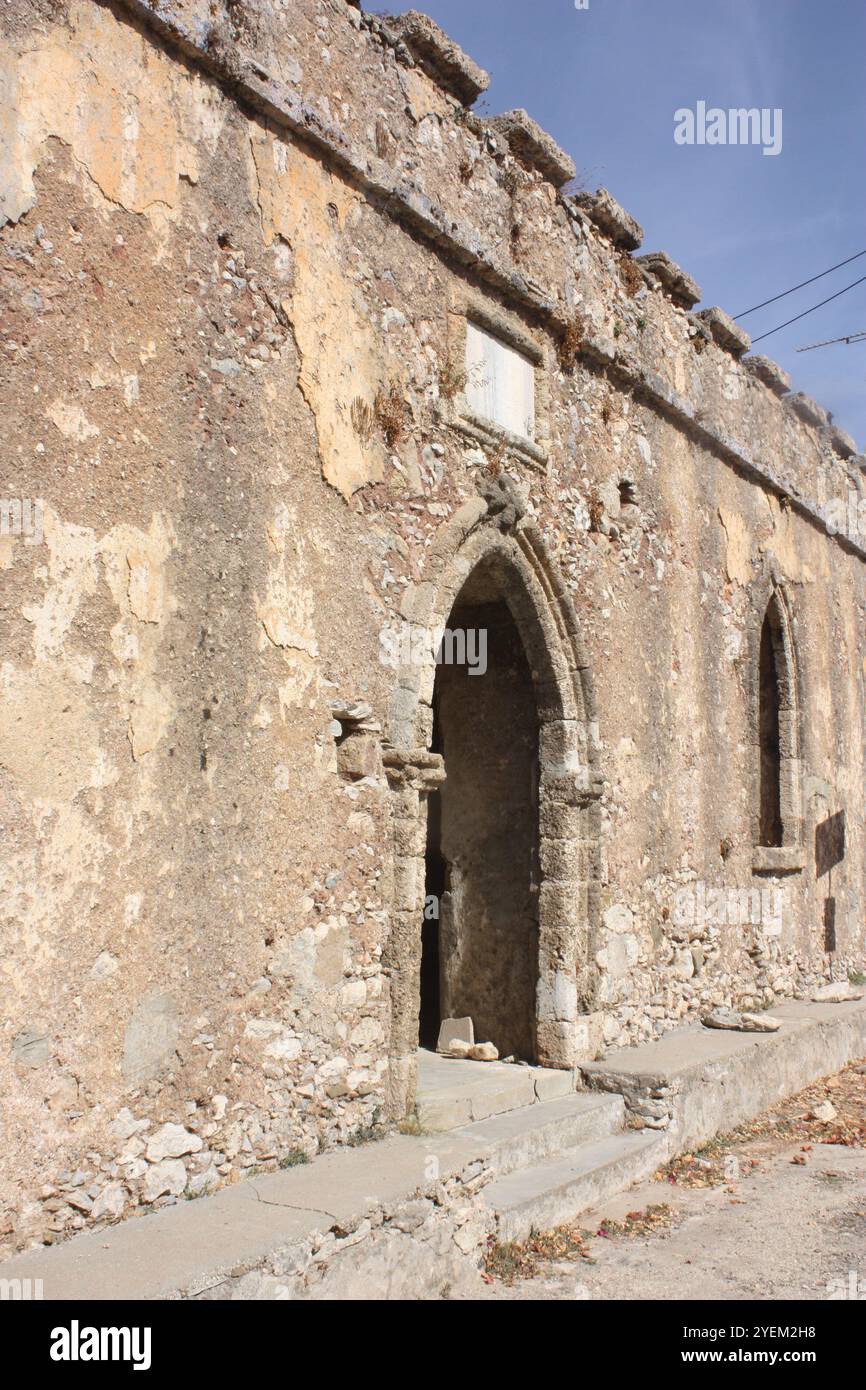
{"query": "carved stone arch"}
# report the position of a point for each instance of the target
(511, 549)
(775, 625)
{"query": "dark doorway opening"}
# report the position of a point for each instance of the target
(480, 958)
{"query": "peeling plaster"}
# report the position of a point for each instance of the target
(338, 345)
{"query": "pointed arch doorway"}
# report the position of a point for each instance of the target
(510, 847)
(479, 955)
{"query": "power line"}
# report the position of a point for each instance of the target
(780, 326)
(858, 337)
(801, 285)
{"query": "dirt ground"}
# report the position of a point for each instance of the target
(775, 1210)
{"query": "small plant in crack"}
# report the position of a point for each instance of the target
(293, 1158)
(389, 409)
(363, 421)
(452, 381)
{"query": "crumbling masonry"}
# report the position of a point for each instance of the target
(252, 256)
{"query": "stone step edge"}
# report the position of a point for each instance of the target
(562, 1123)
(600, 1170)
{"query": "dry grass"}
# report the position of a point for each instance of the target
(524, 1259)
(630, 275)
(452, 380)
(382, 139)
(389, 409)
(571, 340)
(648, 1222)
(496, 457)
(363, 420)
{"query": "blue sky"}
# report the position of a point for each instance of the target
(606, 82)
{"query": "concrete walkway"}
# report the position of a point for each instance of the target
(715, 1079)
(187, 1248)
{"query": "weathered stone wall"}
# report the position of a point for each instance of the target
(237, 257)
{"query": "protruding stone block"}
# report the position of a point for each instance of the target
(453, 1030)
(739, 1022)
(534, 146)
(682, 289)
(602, 208)
(807, 409)
(358, 756)
(839, 992)
(440, 56)
(726, 332)
(841, 441)
(769, 372)
(150, 1037)
(351, 711)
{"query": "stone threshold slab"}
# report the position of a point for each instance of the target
(453, 1092)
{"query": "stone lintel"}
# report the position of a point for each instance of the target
(726, 332)
(440, 56)
(682, 289)
(602, 208)
(534, 146)
(769, 372)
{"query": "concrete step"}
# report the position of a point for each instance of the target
(453, 1093)
(554, 1192)
(539, 1132)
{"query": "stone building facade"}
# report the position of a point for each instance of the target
(306, 364)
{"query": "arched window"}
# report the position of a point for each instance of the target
(778, 818)
(769, 701)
